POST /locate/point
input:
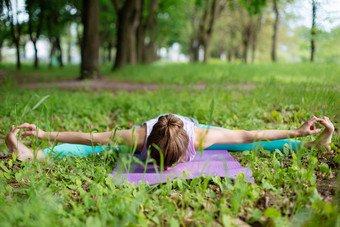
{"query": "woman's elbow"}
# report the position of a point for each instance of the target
(94, 139)
(247, 137)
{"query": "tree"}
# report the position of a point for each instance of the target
(4, 30)
(144, 25)
(90, 41)
(207, 26)
(202, 35)
(173, 23)
(237, 31)
(313, 30)
(146, 52)
(16, 28)
(35, 10)
(107, 29)
(256, 30)
(251, 26)
(275, 29)
(227, 38)
(127, 22)
(54, 25)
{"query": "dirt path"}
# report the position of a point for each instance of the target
(93, 84)
(33, 81)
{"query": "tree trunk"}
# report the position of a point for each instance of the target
(35, 33)
(146, 52)
(245, 51)
(254, 37)
(60, 52)
(253, 49)
(207, 47)
(246, 36)
(69, 49)
(194, 50)
(127, 20)
(229, 56)
(52, 43)
(205, 31)
(275, 28)
(237, 54)
(1, 51)
(313, 32)
(90, 40)
(140, 36)
(140, 44)
(23, 50)
(150, 54)
(79, 37)
(209, 31)
(51, 38)
(109, 54)
(15, 30)
(17, 45)
(36, 60)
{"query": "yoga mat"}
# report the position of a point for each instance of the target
(213, 162)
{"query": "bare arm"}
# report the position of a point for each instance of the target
(208, 137)
(101, 138)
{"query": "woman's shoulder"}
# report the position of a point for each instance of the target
(198, 135)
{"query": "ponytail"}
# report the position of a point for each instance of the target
(169, 135)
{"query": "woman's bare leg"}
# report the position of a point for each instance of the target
(325, 137)
(23, 152)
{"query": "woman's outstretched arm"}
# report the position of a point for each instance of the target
(207, 137)
(101, 138)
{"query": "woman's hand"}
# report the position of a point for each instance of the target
(329, 127)
(309, 128)
(32, 130)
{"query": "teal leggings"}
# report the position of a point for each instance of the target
(80, 150)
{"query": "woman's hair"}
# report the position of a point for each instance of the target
(169, 135)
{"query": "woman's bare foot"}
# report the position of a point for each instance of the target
(14, 145)
(326, 136)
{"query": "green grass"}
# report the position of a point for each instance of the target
(44, 73)
(325, 74)
(290, 188)
(162, 72)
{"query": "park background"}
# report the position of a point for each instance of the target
(241, 64)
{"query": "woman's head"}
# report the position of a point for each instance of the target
(169, 135)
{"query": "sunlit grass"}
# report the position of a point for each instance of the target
(183, 73)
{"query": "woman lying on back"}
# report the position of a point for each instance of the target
(177, 137)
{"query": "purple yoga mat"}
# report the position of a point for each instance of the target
(212, 162)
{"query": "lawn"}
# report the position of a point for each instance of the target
(291, 188)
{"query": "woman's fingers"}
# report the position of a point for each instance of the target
(27, 133)
(313, 120)
(24, 125)
(317, 130)
(326, 119)
(27, 125)
(323, 122)
(12, 128)
(31, 130)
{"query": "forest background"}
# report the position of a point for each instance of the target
(141, 32)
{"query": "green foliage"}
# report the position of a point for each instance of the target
(253, 6)
(173, 22)
(290, 187)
